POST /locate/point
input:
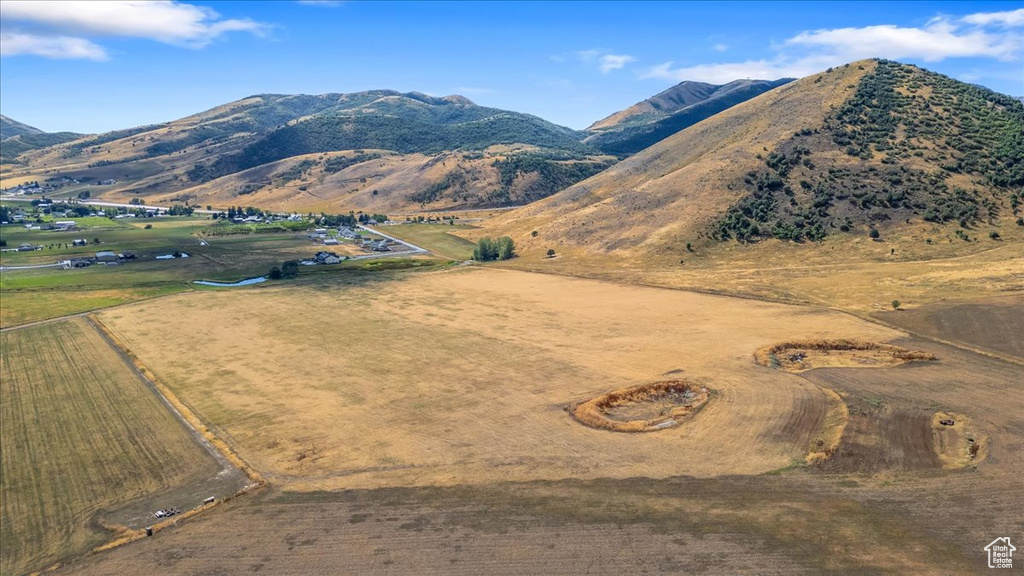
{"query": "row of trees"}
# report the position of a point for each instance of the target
(239, 212)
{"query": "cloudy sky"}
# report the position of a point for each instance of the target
(97, 66)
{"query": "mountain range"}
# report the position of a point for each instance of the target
(378, 150)
(869, 147)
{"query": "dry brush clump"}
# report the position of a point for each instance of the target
(799, 355)
(690, 398)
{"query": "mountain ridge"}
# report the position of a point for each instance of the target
(861, 147)
(503, 158)
(17, 138)
(10, 128)
(666, 113)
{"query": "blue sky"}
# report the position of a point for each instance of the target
(91, 67)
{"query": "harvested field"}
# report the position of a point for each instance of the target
(801, 355)
(995, 325)
(902, 510)
(643, 408)
(893, 411)
(783, 524)
(462, 376)
(830, 432)
(80, 435)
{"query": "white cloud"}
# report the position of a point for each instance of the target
(982, 35)
(57, 47)
(611, 62)
(587, 55)
(603, 60)
(727, 72)
(1009, 18)
(72, 23)
(937, 41)
(720, 47)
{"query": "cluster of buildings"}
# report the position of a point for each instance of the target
(37, 188)
(105, 257)
(347, 233)
(382, 245)
(267, 218)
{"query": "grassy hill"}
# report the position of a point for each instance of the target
(276, 149)
(683, 105)
(10, 128)
(873, 145)
(16, 138)
(376, 180)
(405, 123)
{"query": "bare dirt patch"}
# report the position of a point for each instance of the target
(956, 440)
(643, 408)
(881, 437)
(801, 355)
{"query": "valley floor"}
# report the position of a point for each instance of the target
(416, 423)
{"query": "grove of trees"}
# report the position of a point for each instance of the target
(490, 249)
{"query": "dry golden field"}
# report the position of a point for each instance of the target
(857, 276)
(80, 435)
(465, 376)
(417, 423)
(883, 504)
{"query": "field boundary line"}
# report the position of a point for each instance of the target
(958, 345)
(806, 303)
(91, 311)
(218, 448)
(691, 289)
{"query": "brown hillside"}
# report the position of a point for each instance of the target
(679, 96)
(275, 152)
(672, 191)
(374, 181)
(871, 147)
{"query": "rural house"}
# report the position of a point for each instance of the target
(327, 258)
